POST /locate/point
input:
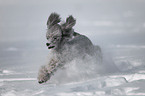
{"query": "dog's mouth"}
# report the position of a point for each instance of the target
(49, 47)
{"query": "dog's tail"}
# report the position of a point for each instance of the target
(53, 20)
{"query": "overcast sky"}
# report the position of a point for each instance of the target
(103, 21)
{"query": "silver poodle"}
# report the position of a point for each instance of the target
(65, 45)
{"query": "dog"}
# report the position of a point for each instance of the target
(65, 45)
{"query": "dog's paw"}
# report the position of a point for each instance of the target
(42, 78)
(40, 82)
(43, 75)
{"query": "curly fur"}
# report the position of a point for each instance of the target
(53, 19)
(65, 44)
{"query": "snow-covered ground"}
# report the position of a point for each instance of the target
(128, 79)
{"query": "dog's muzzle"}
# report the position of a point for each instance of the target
(48, 45)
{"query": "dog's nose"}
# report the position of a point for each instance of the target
(47, 44)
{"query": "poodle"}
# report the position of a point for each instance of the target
(65, 45)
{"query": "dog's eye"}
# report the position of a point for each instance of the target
(48, 37)
(55, 38)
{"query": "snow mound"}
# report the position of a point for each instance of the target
(111, 82)
(127, 63)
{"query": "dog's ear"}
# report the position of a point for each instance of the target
(67, 26)
(70, 22)
(52, 24)
(53, 20)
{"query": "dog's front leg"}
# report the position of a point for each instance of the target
(47, 71)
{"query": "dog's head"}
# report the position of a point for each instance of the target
(53, 36)
(54, 33)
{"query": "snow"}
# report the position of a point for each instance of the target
(17, 79)
(113, 84)
(10, 93)
(37, 93)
